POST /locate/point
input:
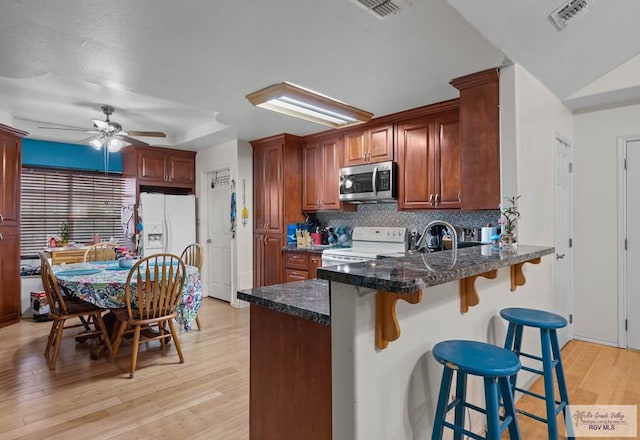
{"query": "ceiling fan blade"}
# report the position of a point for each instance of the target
(131, 140)
(70, 129)
(147, 133)
(86, 141)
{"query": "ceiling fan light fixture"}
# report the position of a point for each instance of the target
(96, 143)
(115, 144)
(306, 104)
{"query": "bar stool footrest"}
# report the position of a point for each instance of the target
(532, 370)
(463, 431)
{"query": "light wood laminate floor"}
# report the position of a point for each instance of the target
(207, 397)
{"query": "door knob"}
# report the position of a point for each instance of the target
(559, 256)
(208, 240)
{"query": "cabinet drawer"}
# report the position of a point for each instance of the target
(295, 275)
(294, 260)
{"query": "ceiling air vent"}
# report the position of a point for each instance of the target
(568, 11)
(382, 8)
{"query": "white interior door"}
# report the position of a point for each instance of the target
(563, 263)
(632, 233)
(218, 260)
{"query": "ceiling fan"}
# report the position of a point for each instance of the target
(109, 134)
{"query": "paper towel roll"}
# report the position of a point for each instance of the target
(486, 233)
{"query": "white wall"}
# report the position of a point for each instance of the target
(539, 117)
(237, 155)
(595, 225)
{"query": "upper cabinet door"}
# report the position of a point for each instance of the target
(447, 163)
(416, 153)
(313, 174)
(380, 142)
(10, 167)
(374, 144)
(152, 167)
(429, 166)
(180, 169)
(354, 148)
(331, 163)
(274, 187)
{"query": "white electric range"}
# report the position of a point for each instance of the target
(367, 243)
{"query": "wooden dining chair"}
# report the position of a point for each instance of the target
(62, 309)
(193, 255)
(154, 288)
(102, 251)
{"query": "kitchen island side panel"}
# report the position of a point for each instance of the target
(290, 377)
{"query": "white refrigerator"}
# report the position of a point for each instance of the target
(168, 223)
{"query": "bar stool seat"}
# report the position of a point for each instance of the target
(547, 323)
(495, 365)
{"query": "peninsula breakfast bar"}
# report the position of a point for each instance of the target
(347, 356)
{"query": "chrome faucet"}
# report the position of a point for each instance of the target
(454, 235)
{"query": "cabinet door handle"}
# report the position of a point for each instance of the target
(459, 197)
(1, 218)
(437, 199)
(0, 236)
(559, 256)
(431, 199)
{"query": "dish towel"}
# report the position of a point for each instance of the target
(233, 209)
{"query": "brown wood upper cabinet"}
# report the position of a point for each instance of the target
(321, 162)
(161, 167)
(480, 139)
(428, 150)
(375, 144)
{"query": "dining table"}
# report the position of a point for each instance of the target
(103, 283)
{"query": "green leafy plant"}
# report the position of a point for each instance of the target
(509, 214)
(64, 233)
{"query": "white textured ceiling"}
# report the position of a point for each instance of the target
(185, 67)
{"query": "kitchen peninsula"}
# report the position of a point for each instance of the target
(364, 370)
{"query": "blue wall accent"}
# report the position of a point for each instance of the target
(69, 156)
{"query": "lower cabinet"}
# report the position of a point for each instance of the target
(267, 259)
(301, 265)
(9, 276)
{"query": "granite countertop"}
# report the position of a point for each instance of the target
(312, 250)
(418, 271)
(308, 299)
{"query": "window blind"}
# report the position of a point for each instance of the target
(89, 203)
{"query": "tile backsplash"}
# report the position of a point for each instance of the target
(387, 214)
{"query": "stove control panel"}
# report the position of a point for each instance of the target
(386, 234)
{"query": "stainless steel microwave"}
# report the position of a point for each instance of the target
(369, 183)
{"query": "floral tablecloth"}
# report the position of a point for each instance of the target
(106, 288)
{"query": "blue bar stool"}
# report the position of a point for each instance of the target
(496, 365)
(548, 323)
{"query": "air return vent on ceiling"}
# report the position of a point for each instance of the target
(383, 8)
(570, 11)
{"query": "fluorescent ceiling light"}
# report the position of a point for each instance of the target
(306, 104)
